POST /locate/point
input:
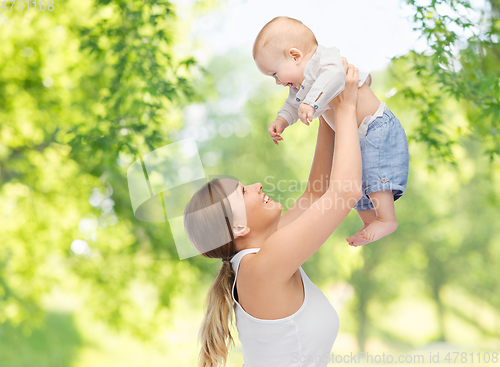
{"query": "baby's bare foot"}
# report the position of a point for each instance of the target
(356, 239)
(378, 229)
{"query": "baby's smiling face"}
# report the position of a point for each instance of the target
(287, 71)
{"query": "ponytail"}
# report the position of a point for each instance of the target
(215, 335)
(203, 232)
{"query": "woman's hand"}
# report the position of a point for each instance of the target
(349, 96)
(344, 64)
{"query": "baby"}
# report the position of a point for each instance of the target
(287, 50)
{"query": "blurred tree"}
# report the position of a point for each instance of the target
(85, 89)
(461, 62)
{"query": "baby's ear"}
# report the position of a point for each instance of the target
(295, 54)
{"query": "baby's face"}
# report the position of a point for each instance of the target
(288, 72)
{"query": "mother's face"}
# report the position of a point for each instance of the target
(249, 208)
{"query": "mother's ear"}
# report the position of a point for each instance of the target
(240, 230)
(295, 54)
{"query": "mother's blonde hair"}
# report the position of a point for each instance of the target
(203, 232)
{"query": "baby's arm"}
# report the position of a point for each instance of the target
(287, 116)
(329, 83)
(289, 110)
(276, 128)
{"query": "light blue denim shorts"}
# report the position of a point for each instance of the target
(384, 152)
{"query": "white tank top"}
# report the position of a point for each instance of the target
(299, 340)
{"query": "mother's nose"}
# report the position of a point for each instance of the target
(259, 186)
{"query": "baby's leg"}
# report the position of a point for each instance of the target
(367, 216)
(386, 221)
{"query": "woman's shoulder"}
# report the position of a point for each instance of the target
(248, 276)
(255, 270)
(245, 262)
(240, 255)
(263, 295)
(251, 266)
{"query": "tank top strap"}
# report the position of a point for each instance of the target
(235, 261)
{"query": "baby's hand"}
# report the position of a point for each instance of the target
(276, 128)
(306, 113)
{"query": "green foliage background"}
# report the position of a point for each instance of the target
(86, 89)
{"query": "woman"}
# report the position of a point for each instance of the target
(282, 318)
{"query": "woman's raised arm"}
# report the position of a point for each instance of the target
(319, 177)
(288, 248)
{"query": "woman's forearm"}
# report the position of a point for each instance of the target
(346, 168)
(319, 177)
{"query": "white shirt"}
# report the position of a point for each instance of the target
(324, 79)
(362, 129)
(303, 339)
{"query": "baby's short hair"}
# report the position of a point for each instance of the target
(283, 33)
